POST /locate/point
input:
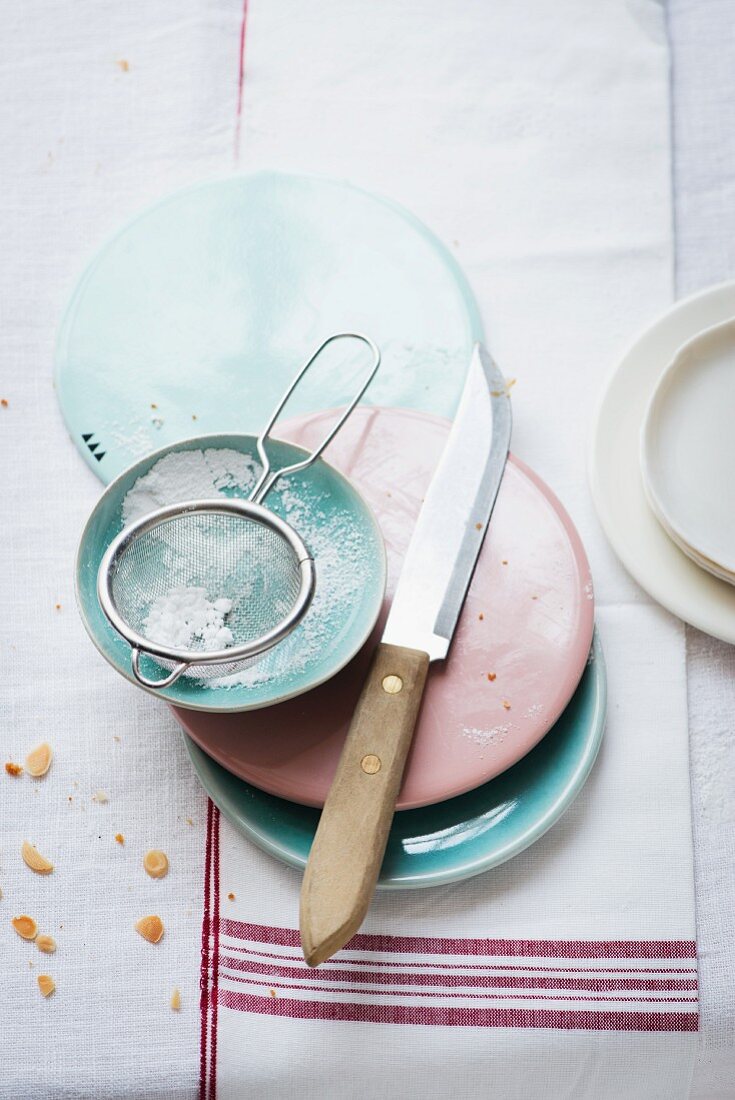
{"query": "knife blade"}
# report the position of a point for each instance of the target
(352, 834)
(446, 542)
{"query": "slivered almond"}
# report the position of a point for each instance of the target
(101, 797)
(46, 984)
(25, 926)
(176, 1000)
(155, 863)
(39, 759)
(33, 859)
(150, 928)
(45, 943)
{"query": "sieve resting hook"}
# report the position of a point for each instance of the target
(143, 679)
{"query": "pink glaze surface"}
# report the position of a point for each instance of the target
(527, 622)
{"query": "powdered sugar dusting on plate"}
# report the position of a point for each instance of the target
(485, 738)
(533, 710)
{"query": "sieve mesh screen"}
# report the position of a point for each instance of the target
(229, 556)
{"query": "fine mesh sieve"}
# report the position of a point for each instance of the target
(204, 552)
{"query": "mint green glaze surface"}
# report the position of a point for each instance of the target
(451, 840)
(348, 627)
(207, 302)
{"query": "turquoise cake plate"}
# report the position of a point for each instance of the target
(191, 319)
(451, 840)
(338, 527)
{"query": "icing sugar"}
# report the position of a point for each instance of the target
(187, 615)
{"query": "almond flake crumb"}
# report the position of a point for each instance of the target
(25, 926)
(481, 616)
(478, 527)
(115, 737)
(33, 859)
(155, 863)
(150, 928)
(504, 561)
(189, 821)
(120, 839)
(153, 405)
(46, 984)
(124, 65)
(101, 797)
(45, 943)
(491, 676)
(231, 897)
(57, 606)
(39, 760)
(175, 1000)
(273, 993)
(13, 769)
(507, 387)
(4, 402)
(506, 704)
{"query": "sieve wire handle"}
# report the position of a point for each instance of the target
(268, 478)
(146, 682)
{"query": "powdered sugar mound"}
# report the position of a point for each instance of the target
(186, 616)
(189, 475)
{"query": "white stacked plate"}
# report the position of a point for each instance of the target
(662, 460)
(688, 450)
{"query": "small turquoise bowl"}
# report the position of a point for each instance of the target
(334, 628)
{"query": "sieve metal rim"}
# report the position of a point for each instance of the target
(256, 513)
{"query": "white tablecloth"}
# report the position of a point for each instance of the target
(103, 109)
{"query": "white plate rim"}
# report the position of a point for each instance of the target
(689, 542)
(670, 577)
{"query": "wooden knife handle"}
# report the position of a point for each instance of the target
(350, 840)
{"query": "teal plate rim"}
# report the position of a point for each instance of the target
(284, 829)
(474, 322)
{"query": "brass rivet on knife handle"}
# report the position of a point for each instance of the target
(392, 684)
(350, 840)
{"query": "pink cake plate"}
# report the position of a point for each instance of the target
(518, 654)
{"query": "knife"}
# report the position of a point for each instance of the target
(352, 834)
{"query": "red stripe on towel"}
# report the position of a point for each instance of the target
(473, 981)
(304, 988)
(215, 957)
(240, 80)
(439, 945)
(478, 966)
(204, 970)
(443, 1016)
